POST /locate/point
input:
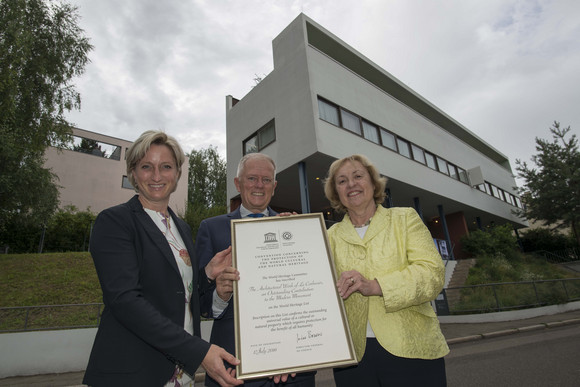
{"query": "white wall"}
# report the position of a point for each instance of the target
(47, 352)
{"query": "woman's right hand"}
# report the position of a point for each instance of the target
(219, 263)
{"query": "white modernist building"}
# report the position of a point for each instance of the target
(324, 101)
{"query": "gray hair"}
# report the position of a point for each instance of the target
(254, 156)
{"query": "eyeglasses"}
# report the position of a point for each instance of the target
(253, 180)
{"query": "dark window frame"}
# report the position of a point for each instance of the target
(258, 136)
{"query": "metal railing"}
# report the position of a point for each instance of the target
(561, 256)
(495, 297)
(505, 296)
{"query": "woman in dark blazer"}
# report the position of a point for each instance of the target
(149, 333)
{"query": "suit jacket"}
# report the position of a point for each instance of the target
(399, 252)
(141, 337)
(213, 236)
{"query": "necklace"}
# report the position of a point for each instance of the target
(173, 241)
(364, 225)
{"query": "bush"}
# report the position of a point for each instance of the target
(69, 230)
(497, 241)
(22, 235)
(545, 239)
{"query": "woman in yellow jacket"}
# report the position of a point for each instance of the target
(389, 270)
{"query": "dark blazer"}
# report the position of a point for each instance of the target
(141, 337)
(213, 236)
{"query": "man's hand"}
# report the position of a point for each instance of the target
(287, 213)
(213, 363)
(225, 282)
(218, 263)
(283, 377)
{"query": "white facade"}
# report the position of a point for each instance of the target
(311, 64)
(98, 181)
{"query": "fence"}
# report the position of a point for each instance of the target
(49, 317)
(505, 296)
(562, 256)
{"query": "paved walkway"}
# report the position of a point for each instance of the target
(453, 332)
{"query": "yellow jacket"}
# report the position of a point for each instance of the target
(400, 253)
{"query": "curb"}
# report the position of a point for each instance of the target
(507, 332)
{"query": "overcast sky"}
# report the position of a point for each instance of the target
(505, 69)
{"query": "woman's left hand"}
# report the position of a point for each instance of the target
(353, 281)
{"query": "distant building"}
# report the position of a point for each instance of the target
(92, 173)
(324, 101)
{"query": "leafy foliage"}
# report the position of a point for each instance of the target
(67, 230)
(41, 50)
(497, 241)
(207, 194)
(551, 190)
(545, 239)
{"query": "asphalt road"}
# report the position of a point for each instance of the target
(546, 358)
(540, 358)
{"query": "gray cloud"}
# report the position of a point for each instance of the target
(506, 69)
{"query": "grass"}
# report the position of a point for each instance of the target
(48, 279)
(517, 268)
(70, 278)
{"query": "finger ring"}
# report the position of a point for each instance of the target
(352, 280)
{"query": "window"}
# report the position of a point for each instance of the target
(442, 166)
(453, 171)
(126, 183)
(484, 188)
(430, 161)
(510, 199)
(462, 175)
(262, 138)
(328, 112)
(403, 147)
(388, 140)
(95, 148)
(371, 132)
(350, 121)
(418, 154)
(251, 145)
(494, 191)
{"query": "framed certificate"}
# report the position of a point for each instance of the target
(288, 315)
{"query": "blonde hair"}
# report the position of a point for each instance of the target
(140, 147)
(377, 180)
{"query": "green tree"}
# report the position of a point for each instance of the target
(551, 189)
(207, 186)
(41, 50)
(88, 146)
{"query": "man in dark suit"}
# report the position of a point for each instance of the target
(256, 182)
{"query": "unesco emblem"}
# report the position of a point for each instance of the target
(270, 237)
(287, 235)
